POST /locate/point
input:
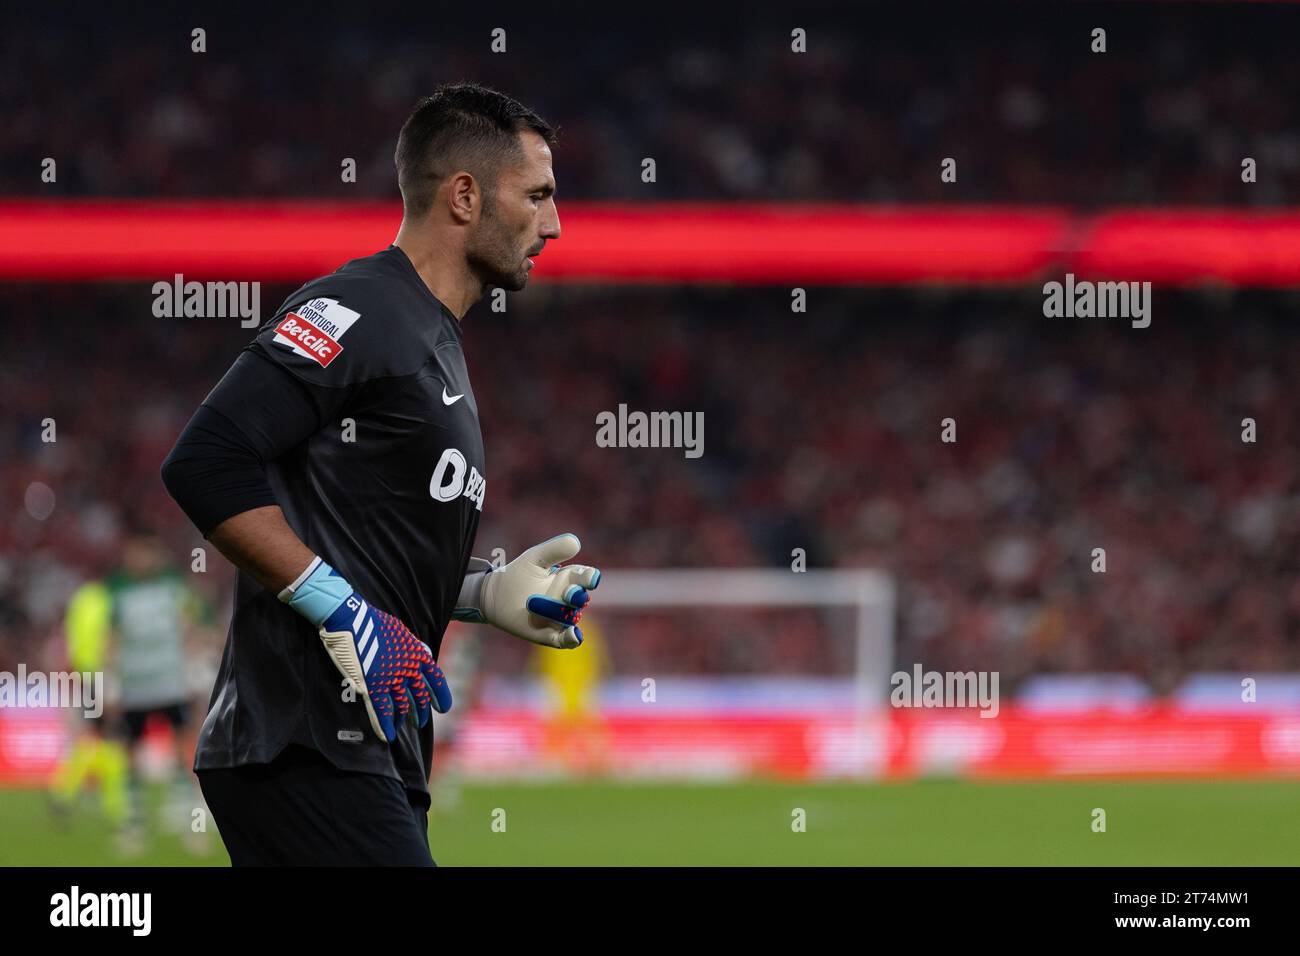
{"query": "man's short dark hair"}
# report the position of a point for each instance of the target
(461, 126)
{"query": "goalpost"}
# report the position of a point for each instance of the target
(870, 594)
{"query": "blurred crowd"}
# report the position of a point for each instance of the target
(725, 108)
(821, 431)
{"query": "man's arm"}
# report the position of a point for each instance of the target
(217, 469)
(217, 474)
(261, 543)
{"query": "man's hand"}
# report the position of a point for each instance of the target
(386, 663)
(533, 597)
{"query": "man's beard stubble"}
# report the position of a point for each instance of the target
(492, 258)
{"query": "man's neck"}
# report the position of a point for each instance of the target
(446, 276)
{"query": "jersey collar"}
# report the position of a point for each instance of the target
(408, 267)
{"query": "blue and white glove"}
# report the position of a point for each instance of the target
(387, 664)
(531, 597)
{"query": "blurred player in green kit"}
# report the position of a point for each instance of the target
(149, 610)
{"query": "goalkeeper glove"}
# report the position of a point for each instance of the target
(373, 650)
(531, 597)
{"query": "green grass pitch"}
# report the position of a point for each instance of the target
(940, 822)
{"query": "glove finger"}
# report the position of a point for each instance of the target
(422, 694)
(553, 551)
(403, 701)
(438, 687)
(552, 609)
(380, 707)
(580, 574)
(553, 635)
(421, 686)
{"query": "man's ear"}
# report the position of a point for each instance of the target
(464, 197)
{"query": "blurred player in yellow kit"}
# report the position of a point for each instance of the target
(93, 755)
(575, 736)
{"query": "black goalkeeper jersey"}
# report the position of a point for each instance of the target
(377, 461)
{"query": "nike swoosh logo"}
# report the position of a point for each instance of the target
(450, 399)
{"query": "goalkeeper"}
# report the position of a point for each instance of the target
(339, 465)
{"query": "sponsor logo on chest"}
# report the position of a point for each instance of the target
(454, 478)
